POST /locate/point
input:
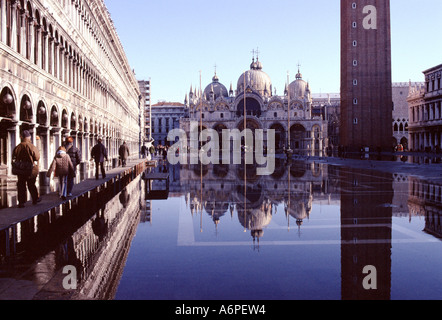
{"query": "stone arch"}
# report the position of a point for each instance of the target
(55, 117)
(86, 125)
(280, 135)
(297, 136)
(81, 123)
(317, 137)
(253, 107)
(26, 110)
(42, 114)
(252, 123)
(65, 119)
(7, 103)
(73, 122)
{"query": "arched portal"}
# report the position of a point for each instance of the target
(43, 137)
(7, 113)
(280, 136)
(253, 108)
(64, 120)
(26, 113)
(7, 104)
(404, 143)
(42, 114)
(297, 137)
(251, 124)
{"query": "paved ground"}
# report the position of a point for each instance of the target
(11, 216)
(423, 170)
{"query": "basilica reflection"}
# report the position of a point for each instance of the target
(368, 201)
(220, 190)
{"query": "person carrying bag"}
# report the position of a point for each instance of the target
(25, 159)
(62, 167)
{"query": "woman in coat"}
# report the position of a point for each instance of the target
(62, 167)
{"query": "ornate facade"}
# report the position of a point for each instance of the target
(63, 71)
(425, 109)
(295, 127)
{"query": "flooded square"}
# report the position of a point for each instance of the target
(310, 231)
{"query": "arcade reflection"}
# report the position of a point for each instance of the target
(257, 210)
(92, 234)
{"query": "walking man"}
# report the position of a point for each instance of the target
(124, 153)
(99, 154)
(29, 155)
(143, 151)
(75, 155)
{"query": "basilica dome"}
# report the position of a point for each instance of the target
(298, 88)
(217, 88)
(256, 79)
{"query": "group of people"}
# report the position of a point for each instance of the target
(26, 156)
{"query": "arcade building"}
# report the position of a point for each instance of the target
(64, 72)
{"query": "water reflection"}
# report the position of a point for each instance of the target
(366, 232)
(93, 234)
(219, 190)
(245, 211)
(425, 199)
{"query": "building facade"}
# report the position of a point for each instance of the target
(401, 119)
(254, 106)
(165, 117)
(63, 72)
(328, 105)
(366, 106)
(147, 106)
(425, 104)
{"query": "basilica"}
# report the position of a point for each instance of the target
(253, 103)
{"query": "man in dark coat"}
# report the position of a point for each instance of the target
(143, 151)
(75, 155)
(27, 152)
(99, 154)
(124, 153)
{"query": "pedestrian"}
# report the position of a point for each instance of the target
(99, 154)
(26, 156)
(143, 151)
(124, 153)
(75, 155)
(61, 167)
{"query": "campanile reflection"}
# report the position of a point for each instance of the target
(366, 222)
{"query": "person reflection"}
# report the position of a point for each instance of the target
(65, 254)
(99, 225)
(124, 197)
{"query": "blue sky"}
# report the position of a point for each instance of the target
(171, 41)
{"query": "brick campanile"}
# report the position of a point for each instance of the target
(366, 83)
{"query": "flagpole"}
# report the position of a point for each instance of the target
(288, 113)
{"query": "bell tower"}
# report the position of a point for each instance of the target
(366, 83)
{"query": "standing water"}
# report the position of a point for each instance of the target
(309, 231)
